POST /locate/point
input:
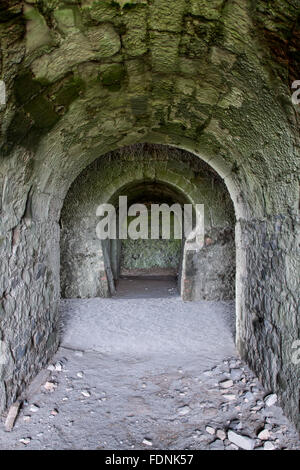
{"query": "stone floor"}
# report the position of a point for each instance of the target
(145, 370)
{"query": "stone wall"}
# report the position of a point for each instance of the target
(269, 320)
(148, 255)
(210, 271)
(29, 293)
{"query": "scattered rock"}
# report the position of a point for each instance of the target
(264, 435)
(248, 397)
(236, 374)
(238, 434)
(226, 383)
(230, 397)
(256, 408)
(269, 446)
(50, 386)
(34, 408)
(221, 434)
(58, 366)
(184, 410)
(232, 447)
(25, 440)
(233, 363)
(147, 442)
(270, 400)
(244, 442)
(236, 425)
(210, 430)
(12, 416)
(217, 445)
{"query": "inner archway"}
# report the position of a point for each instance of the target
(150, 260)
(152, 175)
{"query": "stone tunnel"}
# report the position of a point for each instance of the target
(146, 173)
(183, 101)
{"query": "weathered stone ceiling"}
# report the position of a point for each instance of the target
(279, 24)
(85, 77)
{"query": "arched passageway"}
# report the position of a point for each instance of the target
(88, 79)
(148, 174)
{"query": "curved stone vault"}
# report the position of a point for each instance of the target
(84, 78)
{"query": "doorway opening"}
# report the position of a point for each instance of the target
(145, 264)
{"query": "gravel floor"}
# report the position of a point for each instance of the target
(145, 370)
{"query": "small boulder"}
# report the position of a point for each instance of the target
(210, 430)
(244, 442)
(264, 435)
(270, 400)
(226, 383)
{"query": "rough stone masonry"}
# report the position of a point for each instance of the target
(211, 77)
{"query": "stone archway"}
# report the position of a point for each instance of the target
(145, 173)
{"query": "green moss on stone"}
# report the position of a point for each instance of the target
(65, 18)
(166, 15)
(18, 129)
(69, 92)
(139, 106)
(113, 76)
(162, 87)
(8, 12)
(38, 33)
(134, 39)
(100, 11)
(208, 9)
(164, 48)
(26, 88)
(42, 112)
(147, 254)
